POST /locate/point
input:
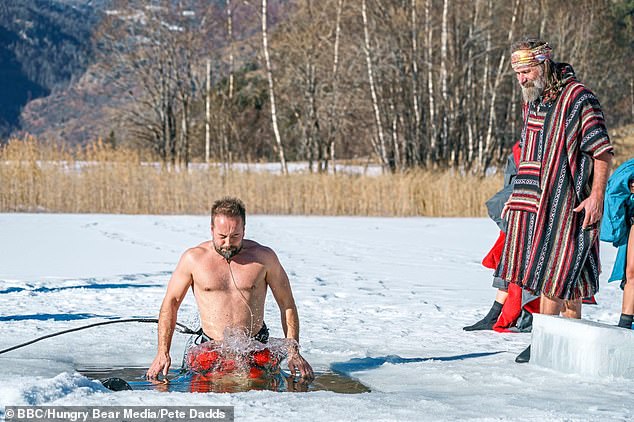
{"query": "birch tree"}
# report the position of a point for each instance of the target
(415, 82)
(333, 111)
(269, 77)
(379, 143)
(431, 91)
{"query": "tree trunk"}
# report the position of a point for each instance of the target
(207, 110)
(231, 47)
(498, 80)
(269, 76)
(227, 121)
(432, 133)
(375, 102)
(414, 60)
(444, 77)
(333, 126)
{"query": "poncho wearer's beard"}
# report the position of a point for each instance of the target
(531, 90)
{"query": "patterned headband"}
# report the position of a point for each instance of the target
(530, 57)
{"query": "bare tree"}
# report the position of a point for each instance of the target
(333, 110)
(431, 91)
(379, 144)
(484, 154)
(207, 110)
(408, 83)
(415, 82)
(229, 104)
(269, 76)
(153, 50)
(444, 78)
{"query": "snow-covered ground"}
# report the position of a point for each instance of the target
(367, 169)
(395, 290)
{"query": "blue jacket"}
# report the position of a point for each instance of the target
(618, 209)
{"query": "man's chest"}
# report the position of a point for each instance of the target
(227, 277)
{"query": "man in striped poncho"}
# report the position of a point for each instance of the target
(552, 246)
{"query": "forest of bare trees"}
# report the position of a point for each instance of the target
(406, 83)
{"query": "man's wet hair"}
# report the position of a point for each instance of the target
(229, 207)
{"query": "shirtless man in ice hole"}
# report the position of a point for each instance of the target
(224, 273)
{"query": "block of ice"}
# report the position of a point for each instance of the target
(582, 347)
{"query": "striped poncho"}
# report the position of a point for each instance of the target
(546, 250)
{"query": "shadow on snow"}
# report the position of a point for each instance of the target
(362, 364)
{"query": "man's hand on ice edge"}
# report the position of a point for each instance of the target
(299, 366)
(161, 364)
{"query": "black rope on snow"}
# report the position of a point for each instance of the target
(183, 329)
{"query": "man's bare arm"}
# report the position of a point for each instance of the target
(281, 288)
(593, 204)
(176, 290)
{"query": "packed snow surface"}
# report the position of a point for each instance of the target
(383, 300)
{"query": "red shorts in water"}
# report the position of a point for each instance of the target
(212, 362)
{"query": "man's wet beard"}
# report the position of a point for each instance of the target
(531, 90)
(228, 253)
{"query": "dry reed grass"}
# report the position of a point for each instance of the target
(36, 177)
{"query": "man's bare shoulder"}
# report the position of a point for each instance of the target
(197, 252)
(258, 251)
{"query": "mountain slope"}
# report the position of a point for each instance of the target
(43, 46)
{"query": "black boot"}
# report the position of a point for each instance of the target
(116, 384)
(525, 356)
(626, 321)
(489, 320)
